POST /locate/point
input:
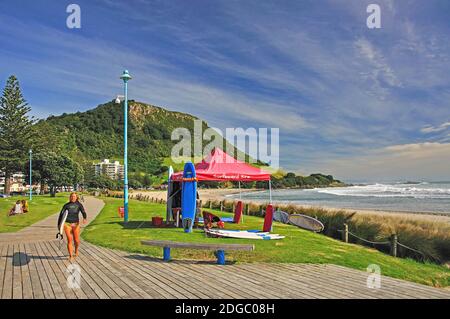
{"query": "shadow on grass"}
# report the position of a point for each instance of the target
(176, 261)
(135, 224)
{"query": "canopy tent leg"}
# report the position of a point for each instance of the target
(240, 199)
(270, 191)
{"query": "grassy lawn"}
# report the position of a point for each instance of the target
(40, 207)
(299, 246)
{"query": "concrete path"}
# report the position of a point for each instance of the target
(46, 229)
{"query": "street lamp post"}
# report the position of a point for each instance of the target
(125, 77)
(31, 187)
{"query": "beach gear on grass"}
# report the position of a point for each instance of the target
(280, 216)
(188, 197)
(306, 222)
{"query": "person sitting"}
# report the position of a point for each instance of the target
(24, 206)
(16, 209)
(211, 220)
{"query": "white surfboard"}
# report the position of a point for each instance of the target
(244, 234)
(306, 222)
(61, 220)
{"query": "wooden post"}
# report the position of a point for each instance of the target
(210, 204)
(345, 233)
(394, 245)
(221, 205)
(200, 203)
(234, 206)
(248, 209)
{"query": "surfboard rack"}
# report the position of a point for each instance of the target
(219, 249)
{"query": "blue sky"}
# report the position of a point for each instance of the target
(358, 103)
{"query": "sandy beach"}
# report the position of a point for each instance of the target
(221, 194)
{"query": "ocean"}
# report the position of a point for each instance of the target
(430, 197)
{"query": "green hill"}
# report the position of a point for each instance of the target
(90, 136)
(98, 134)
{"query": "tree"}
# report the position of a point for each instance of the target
(15, 130)
(56, 170)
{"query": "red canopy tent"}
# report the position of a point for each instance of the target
(219, 166)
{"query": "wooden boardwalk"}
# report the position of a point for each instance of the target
(39, 270)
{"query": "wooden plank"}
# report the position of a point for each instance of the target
(113, 290)
(3, 260)
(90, 277)
(394, 287)
(351, 283)
(26, 278)
(133, 291)
(310, 287)
(45, 282)
(244, 287)
(205, 246)
(17, 273)
(85, 290)
(54, 283)
(8, 278)
(166, 290)
(60, 273)
(161, 279)
(407, 285)
(175, 277)
(153, 290)
(36, 285)
(260, 285)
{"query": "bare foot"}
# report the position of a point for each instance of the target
(71, 258)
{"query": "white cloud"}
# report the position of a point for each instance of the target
(434, 129)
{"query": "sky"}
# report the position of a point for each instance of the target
(361, 104)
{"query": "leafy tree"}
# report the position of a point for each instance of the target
(56, 170)
(15, 130)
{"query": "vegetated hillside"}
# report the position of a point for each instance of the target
(98, 134)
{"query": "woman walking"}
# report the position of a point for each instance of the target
(72, 223)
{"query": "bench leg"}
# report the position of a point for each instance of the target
(166, 253)
(220, 257)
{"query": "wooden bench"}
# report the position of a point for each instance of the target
(218, 248)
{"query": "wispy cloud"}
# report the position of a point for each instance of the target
(434, 129)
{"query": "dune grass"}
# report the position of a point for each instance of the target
(39, 208)
(299, 246)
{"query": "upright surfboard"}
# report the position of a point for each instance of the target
(169, 195)
(268, 219)
(61, 220)
(188, 197)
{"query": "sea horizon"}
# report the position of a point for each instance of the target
(399, 196)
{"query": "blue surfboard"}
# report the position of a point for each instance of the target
(188, 197)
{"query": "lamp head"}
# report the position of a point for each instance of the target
(125, 76)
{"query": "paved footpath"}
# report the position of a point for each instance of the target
(46, 229)
(33, 265)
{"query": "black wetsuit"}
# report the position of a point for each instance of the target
(74, 210)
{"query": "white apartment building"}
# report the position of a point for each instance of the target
(111, 169)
